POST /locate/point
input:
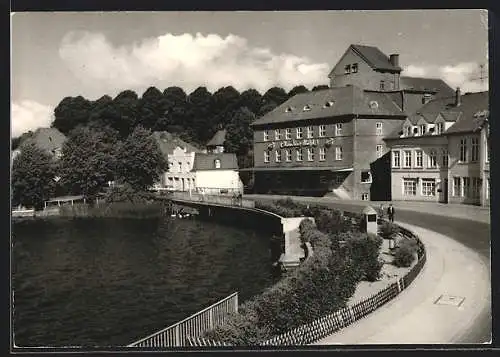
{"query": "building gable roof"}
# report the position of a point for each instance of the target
(475, 110)
(375, 58)
(465, 116)
(218, 139)
(203, 161)
(435, 85)
(48, 139)
(168, 142)
(339, 101)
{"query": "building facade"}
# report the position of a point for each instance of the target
(441, 152)
(180, 157)
(217, 173)
(326, 141)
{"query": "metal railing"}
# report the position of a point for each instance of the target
(224, 200)
(192, 327)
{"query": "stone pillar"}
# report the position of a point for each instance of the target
(370, 219)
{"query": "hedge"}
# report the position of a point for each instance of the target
(321, 285)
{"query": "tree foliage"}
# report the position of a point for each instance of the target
(320, 87)
(33, 173)
(297, 90)
(139, 161)
(88, 160)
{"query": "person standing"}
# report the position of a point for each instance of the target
(390, 213)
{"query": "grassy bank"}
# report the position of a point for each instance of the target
(114, 210)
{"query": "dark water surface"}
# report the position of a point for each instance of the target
(109, 282)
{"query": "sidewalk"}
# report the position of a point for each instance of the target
(415, 317)
(475, 213)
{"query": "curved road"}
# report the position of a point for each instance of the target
(472, 234)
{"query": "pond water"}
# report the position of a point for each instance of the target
(108, 282)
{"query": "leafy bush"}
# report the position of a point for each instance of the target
(405, 253)
(321, 285)
(389, 230)
(364, 249)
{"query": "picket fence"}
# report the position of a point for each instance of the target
(335, 321)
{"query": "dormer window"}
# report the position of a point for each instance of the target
(439, 128)
(329, 104)
(288, 109)
(426, 98)
(354, 68)
(415, 131)
(347, 69)
(373, 104)
(307, 108)
(217, 163)
(382, 85)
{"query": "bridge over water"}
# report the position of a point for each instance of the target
(242, 212)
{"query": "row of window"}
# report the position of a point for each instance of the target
(423, 129)
(427, 187)
(467, 187)
(299, 154)
(473, 155)
(415, 158)
(351, 68)
(299, 132)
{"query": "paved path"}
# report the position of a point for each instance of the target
(414, 316)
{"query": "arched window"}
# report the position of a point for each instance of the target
(217, 163)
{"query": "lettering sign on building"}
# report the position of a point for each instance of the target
(294, 143)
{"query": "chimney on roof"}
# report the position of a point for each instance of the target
(458, 98)
(394, 59)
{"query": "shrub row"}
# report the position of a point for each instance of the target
(321, 285)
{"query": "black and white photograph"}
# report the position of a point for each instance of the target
(232, 180)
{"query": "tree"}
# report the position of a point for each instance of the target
(199, 110)
(239, 134)
(276, 95)
(139, 160)
(126, 105)
(251, 99)
(33, 173)
(71, 112)
(297, 90)
(88, 160)
(320, 87)
(151, 107)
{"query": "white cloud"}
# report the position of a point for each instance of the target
(464, 75)
(184, 60)
(29, 115)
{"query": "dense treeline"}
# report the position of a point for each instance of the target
(106, 135)
(195, 116)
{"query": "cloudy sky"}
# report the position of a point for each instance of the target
(55, 55)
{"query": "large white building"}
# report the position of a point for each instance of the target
(180, 156)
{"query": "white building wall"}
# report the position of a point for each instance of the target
(179, 175)
(213, 181)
